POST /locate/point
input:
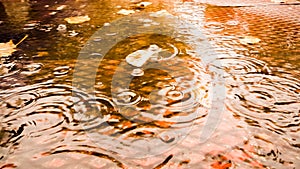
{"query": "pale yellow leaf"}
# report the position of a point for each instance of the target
(77, 19)
(6, 49)
(249, 40)
(140, 57)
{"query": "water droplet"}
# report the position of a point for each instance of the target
(127, 98)
(111, 34)
(137, 72)
(167, 137)
(106, 24)
(61, 28)
(97, 39)
(175, 95)
(96, 54)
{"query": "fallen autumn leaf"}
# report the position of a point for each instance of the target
(6, 49)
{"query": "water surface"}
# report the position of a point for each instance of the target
(55, 114)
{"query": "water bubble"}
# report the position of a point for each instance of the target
(168, 137)
(175, 95)
(137, 72)
(61, 70)
(106, 24)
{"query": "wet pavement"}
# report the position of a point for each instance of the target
(216, 84)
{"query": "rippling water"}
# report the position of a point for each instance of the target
(100, 111)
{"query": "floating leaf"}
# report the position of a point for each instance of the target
(249, 40)
(6, 49)
(77, 19)
(139, 57)
(125, 12)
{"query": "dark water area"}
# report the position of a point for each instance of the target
(156, 84)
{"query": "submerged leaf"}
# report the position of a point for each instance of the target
(77, 19)
(140, 57)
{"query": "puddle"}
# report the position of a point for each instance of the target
(66, 101)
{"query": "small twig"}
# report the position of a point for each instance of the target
(22, 40)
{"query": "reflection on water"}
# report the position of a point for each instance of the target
(138, 109)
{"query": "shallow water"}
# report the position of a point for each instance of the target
(210, 98)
